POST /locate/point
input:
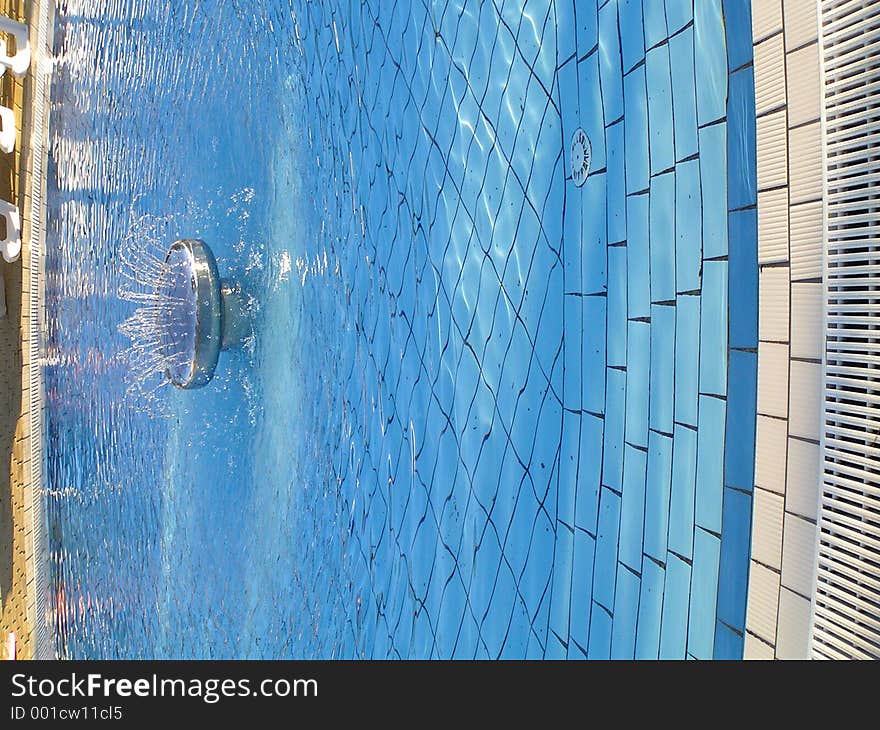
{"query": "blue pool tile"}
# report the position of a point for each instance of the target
(713, 159)
(735, 550)
(713, 329)
(638, 382)
(605, 569)
(688, 208)
(710, 47)
(592, 115)
(632, 38)
(638, 257)
(560, 598)
(662, 367)
(739, 45)
(728, 644)
(545, 450)
(617, 305)
(657, 494)
(544, 314)
(504, 602)
(594, 338)
(739, 457)
(676, 598)
(573, 354)
(452, 609)
(589, 473)
(582, 587)
(681, 503)
(571, 238)
(600, 633)
(610, 69)
(569, 103)
(650, 611)
(616, 195)
(658, 76)
(587, 26)
(556, 650)
(486, 561)
(678, 14)
(632, 509)
(594, 257)
(635, 101)
(687, 348)
(626, 614)
(615, 412)
(542, 49)
(533, 582)
(684, 102)
(655, 22)
(662, 237)
(568, 467)
(743, 263)
(508, 396)
(741, 135)
(566, 30)
(710, 462)
(534, 650)
(520, 526)
(704, 592)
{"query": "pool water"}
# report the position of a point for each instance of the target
(485, 412)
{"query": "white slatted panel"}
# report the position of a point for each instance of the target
(42, 28)
(846, 622)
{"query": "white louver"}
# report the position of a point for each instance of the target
(846, 618)
(38, 576)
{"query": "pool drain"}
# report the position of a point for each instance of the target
(581, 157)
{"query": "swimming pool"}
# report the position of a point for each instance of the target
(486, 412)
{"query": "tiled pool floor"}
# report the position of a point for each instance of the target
(660, 317)
(559, 398)
(497, 414)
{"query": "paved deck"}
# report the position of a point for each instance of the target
(19, 574)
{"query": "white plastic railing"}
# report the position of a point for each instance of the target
(846, 604)
(42, 13)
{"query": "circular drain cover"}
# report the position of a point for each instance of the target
(581, 157)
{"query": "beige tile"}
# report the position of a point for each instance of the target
(772, 150)
(757, 650)
(773, 317)
(806, 241)
(803, 88)
(806, 400)
(798, 554)
(770, 84)
(804, 478)
(773, 226)
(805, 163)
(793, 632)
(763, 602)
(770, 457)
(766, 18)
(773, 379)
(767, 529)
(801, 22)
(807, 325)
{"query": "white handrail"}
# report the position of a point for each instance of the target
(7, 133)
(21, 61)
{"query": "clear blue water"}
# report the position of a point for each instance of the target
(485, 413)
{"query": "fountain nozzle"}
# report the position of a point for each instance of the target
(210, 313)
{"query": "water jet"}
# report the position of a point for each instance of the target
(189, 314)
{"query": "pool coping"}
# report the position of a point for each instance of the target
(791, 349)
(35, 126)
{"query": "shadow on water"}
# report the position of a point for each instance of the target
(10, 408)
